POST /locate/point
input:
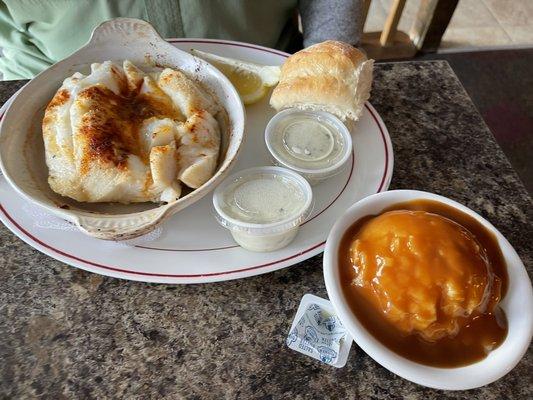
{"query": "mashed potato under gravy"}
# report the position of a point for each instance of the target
(426, 279)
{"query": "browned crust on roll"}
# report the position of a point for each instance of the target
(330, 76)
(326, 57)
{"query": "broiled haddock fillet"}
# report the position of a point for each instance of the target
(120, 135)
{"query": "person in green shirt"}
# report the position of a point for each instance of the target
(34, 34)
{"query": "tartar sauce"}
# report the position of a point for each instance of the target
(263, 199)
(263, 207)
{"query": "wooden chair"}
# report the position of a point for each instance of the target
(427, 30)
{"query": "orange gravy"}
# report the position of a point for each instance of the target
(425, 279)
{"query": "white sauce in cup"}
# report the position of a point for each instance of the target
(315, 144)
(263, 207)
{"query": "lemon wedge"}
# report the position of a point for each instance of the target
(251, 80)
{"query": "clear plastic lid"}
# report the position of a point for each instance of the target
(312, 143)
(263, 200)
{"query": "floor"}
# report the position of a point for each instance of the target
(500, 84)
(499, 81)
(475, 23)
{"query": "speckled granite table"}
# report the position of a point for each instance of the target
(66, 333)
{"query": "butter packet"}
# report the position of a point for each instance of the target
(317, 332)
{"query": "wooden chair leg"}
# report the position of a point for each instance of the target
(366, 7)
(391, 23)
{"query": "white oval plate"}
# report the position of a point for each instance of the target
(192, 247)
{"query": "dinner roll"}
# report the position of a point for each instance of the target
(330, 76)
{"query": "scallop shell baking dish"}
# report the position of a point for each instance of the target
(22, 157)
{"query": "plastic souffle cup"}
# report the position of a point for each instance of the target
(263, 207)
(316, 144)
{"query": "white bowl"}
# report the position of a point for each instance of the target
(21, 145)
(517, 304)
